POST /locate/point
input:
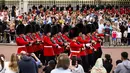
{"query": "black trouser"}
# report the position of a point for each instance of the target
(91, 59)
(12, 36)
(128, 36)
(85, 63)
(48, 58)
(98, 54)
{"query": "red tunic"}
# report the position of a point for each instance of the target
(75, 49)
(38, 46)
(81, 41)
(58, 50)
(21, 44)
(30, 49)
(89, 51)
(66, 38)
(48, 47)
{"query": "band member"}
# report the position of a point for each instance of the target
(81, 40)
(48, 45)
(62, 42)
(20, 40)
(75, 47)
(39, 43)
(54, 31)
(90, 52)
(28, 30)
(97, 46)
(66, 39)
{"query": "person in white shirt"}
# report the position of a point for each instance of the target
(101, 27)
(63, 63)
(75, 67)
(119, 36)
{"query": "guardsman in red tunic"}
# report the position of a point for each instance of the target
(61, 41)
(20, 41)
(66, 39)
(38, 42)
(97, 46)
(48, 45)
(90, 52)
(28, 31)
(54, 31)
(81, 40)
(74, 46)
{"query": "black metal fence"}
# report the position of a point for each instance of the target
(65, 3)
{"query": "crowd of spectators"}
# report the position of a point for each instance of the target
(29, 63)
(113, 21)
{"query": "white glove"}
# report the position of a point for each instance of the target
(88, 45)
(59, 47)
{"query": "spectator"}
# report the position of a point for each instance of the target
(114, 36)
(2, 63)
(12, 66)
(98, 67)
(62, 65)
(128, 36)
(119, 36)
(123, 67)
(101, 27)
(75, 67)
(108, 30)
(50, 67)
(27, 64)
(108, 63)
(118, 61)
(38, 62)
(125, 37)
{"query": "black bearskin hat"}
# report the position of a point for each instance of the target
(74, 32)
(59, 27)
(54, 30)
(28, 29)
(37, 27)
(33, 28)
(47, 29)
(80, 26)
(66, 28)
(84, 31)
(88, 28)
(20, 29)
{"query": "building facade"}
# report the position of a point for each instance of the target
(24, 5)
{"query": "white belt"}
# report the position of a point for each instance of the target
(75, 51)
(21, 46)
(47, 46)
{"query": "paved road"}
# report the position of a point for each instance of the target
(113, 51)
